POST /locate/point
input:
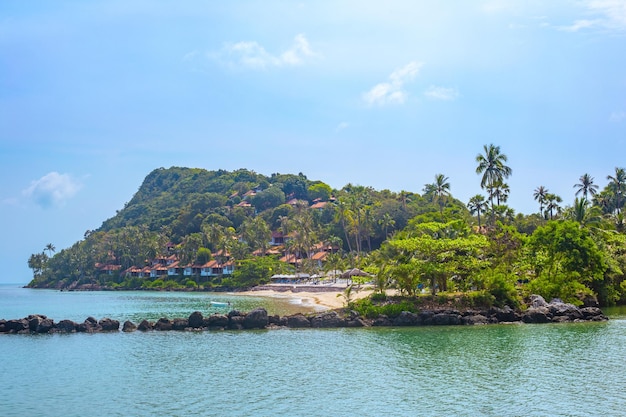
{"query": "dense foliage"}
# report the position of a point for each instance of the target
(416, 243)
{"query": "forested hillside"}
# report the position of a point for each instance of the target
(249, 226)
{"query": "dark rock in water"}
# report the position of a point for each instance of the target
(256, 319)
(356, 322)
(504, 314)
(15, 326)
(217, 321)
(163, 324)
(40, 324)
(145, 325)
(236, 322)
(129, 326)
(593, 313)
(278, 321)
(382, 320)
(109, 325)
(444, 319)
(327, 319)
(537, 315)
(475, 319)
(298, 321)
(90, 325)
(559, 308)
(537, 301)
(180, 324)
(196, 320)
(406, 318)
(67, 326)
(2, 326)
(235, 313)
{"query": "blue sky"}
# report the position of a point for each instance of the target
(95, 95)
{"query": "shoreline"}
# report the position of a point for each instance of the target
(321, 298)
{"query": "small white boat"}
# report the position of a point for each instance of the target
(220, 304)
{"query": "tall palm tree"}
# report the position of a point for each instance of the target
(441, 188)
(553, 201)
(51, 249)
(586, 186)
(540, 195)
(618, 186)
(477, 205)
(492, 165)
(386, 221)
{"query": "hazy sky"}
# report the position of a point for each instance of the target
(95, 95)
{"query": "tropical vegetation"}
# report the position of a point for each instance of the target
(428, 243)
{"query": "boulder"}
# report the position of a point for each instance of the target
(537, 315)
(145, 325)
(593, 313)
(559, 308)
(2, 326)
(406, 318)
(505, 314)
(90, 325)
(15, 326)
(40, 324)
(216, 321)
(236, 322)
(129, 326)
(163, 324)
(537, 301)
(356, 322)
(277, 321)
(67, 326)
(180, 324)
(327, 319)
(109, 325)
(382, 320)
(196, 320)
(298, 321)
(256, 319)
(444, 319)
(475, 319)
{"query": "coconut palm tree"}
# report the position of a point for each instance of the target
(586, 187)
(540, 195)
(492, 165)
(441, 188)
(477, 205)
(553, 201)
(618, 186)
(51, 249)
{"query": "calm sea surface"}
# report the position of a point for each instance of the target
(499, 370)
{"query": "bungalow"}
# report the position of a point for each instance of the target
(108, 269)
(214, 268)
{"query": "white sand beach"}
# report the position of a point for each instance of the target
(321, 300)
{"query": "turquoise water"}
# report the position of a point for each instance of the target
(500, 370)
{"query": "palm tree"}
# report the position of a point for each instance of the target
(553, 201)
(51, 249)
(618, 184)
(386, 221)
(540, 195)
(477, 205)
(492, 166)
(586, 186)
(441, 188)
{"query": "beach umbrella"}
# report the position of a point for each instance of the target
(354, 272)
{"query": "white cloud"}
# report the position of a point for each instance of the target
(608, 14)
(53, 189)
(617, 116)
(441, 93)
(393, 92)
(251, 54)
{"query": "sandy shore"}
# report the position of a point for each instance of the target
(319, 300)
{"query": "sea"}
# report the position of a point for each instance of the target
(574, 369)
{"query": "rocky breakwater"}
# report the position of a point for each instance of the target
(539, 311)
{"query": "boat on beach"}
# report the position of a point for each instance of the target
(220, 303)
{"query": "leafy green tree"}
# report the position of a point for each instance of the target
(320, 190)
(567, 262)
